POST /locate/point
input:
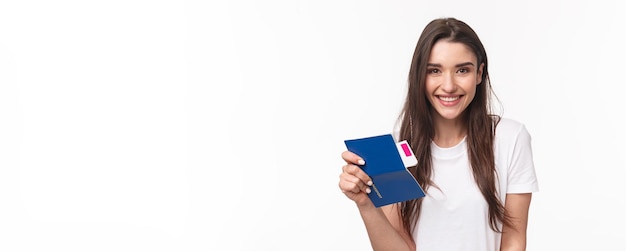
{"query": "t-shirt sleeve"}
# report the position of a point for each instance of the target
(521, 175)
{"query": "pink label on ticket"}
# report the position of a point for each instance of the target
(407, 151)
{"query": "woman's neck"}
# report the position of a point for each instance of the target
(449, 133)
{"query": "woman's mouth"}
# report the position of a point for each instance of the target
(449, 100)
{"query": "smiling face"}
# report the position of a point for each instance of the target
(451, 79)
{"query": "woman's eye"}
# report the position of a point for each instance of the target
(463, 70)
(433, 71)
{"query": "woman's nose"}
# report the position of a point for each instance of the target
(449, 84)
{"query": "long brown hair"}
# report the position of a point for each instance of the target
(418, 129)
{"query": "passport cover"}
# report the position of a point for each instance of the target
(383, 163)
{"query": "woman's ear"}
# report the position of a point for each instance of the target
(479, 76)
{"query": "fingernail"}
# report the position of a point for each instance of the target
(368, 190)
(370, 183)
(360, 162)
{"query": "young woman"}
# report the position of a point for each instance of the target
(476, 168)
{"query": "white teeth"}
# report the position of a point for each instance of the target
(448, 99)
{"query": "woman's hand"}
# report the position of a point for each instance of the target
(353, 181)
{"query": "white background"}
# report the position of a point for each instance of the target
(195, 125)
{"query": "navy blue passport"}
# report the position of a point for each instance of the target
(386, 163)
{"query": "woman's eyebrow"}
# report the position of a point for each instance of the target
(458, 65)
(465, 64)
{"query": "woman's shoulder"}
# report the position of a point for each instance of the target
(508, 127)
(509, 123)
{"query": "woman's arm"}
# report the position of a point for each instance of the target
(385, 229)
(384, 225)
(514, 237)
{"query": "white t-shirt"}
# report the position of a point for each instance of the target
(457, 217)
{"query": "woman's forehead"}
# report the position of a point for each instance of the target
(445, 52)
